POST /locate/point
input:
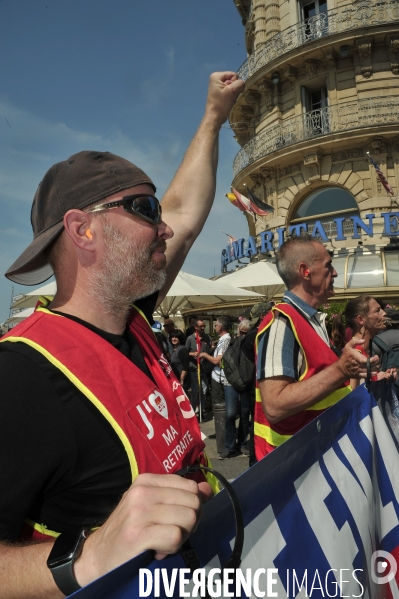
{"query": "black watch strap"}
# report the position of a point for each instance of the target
(66, 550)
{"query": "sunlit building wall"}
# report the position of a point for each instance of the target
(322, 90)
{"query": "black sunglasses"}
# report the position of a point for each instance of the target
(144, 206)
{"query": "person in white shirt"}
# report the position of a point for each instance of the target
(221, 388)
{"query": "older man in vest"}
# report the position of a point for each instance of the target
(298, 373)
(93, 411)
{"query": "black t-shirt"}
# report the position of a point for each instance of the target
(191, 345)
(248, 345)
(61, 463)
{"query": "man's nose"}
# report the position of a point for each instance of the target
(165, 231)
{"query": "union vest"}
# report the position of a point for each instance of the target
(154, 421)
(318, 355)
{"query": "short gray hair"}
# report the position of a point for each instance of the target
(244, 324)
(224, 323)
(296, 249)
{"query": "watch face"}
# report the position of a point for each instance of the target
(65, 548)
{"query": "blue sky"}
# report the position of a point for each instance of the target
(128, 76)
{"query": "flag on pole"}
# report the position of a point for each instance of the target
(231, 241)
(381, 176)
(240, 201)
(259, 207)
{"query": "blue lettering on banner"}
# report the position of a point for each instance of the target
(266, 241)
(237, 249)
(318, 511)
(318, 231)
(251, 250)
(298, 229)
(391, 223)
(267, 238)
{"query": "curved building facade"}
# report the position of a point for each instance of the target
(322, 90)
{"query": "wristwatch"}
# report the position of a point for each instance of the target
(66, 550)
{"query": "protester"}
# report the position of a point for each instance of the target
(366, 318)
(245, 405)
(81, 422)
(222, 391)
(191, 329)
(168, 327)
(179, 359)
(196, 343)
(298, 373)
(390, 336)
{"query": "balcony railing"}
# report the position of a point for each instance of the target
(361, 13)
(320, 122)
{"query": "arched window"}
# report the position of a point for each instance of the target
(326, 201)
(323, 205)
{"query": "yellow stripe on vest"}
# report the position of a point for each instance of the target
(42, 528)
(331, 399)
(273, 438)
(119, 431)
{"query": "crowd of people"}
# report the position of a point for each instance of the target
(366, 319)
(96, 422)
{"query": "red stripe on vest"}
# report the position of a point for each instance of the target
(157, 418)
(318, 355)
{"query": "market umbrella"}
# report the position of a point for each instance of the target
(29, 300)
(19, 316)
(190, 291)
(258, 276)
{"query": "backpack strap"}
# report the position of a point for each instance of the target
(385, 349)
(380, 343)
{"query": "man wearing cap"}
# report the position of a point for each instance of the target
(298, 373)
(93, 411)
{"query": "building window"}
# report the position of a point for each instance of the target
(323, 206)
(313, 19)
(315, 110)
(329, 200)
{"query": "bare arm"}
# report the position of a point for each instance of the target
(212, 359)
(189, 198)
(158, 512)
(283, 396)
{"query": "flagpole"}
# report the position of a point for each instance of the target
(383, 180)
(199, 346)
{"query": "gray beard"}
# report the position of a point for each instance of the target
(127, 272)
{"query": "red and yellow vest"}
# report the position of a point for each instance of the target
(154, 421)
(317, 355)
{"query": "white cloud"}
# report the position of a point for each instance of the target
(23, 162)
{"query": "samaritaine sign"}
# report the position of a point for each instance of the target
(271, 240)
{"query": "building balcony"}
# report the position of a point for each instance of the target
(342, 117)
(361, 13)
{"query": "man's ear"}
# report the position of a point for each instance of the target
(304, 271)
(77, 224)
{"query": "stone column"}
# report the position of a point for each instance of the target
(272, 10)
(259, 17)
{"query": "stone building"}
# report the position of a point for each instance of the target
(322, 90)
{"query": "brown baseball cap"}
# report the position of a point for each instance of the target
(83, 179)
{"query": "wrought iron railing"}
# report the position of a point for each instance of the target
(361, 13)
(330, 226)
(333, 119)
